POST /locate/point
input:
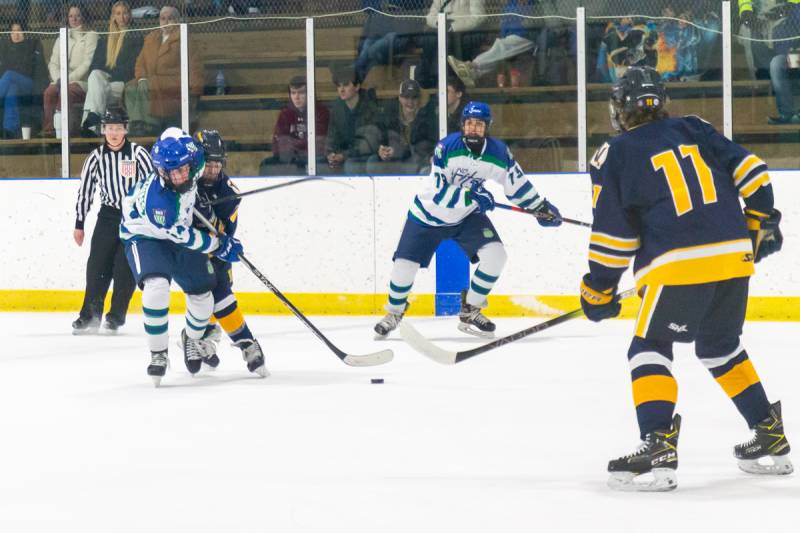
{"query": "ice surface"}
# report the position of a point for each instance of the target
(516, 439)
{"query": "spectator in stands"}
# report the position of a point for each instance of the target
(787, 56)
(290, 136)
(463, 18)
(515, 39)
(677, 46)
(81, 46)
(112, 67)
(356, 128)
(153, 97)
(22, 74)
(628, 44)
(411, 134)
(456, 100)
(385, 35)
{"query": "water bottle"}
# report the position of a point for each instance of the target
(220, 83)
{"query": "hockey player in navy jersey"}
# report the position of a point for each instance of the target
(161, 245)
(666, 193)
(215, 184)
(453, 205)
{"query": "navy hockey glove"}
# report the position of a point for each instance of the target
(764, 232)
(229, 249)
(598, 305)
(552, 218)
(483, 198)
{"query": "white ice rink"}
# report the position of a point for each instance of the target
(513, 440)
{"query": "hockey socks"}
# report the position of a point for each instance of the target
(231, 318)
(730, 366)
(655, 390)
(198, 311)
(492, 260)
(155, 305)
(401, 281)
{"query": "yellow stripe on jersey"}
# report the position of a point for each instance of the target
(649, 303)
(655, 389)
(614, 243)
(753, 185)
(235, 215)
(699, 264)
(611, 261)
(748, 164)
(738, 378)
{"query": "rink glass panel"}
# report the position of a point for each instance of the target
(245, 67)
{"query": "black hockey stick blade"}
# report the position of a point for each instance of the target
(446, 357)
(545, 216)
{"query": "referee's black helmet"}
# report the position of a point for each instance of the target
(115, 115)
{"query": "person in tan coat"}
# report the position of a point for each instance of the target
(80, 49)
(153, 97)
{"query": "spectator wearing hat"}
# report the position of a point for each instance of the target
(290, 136)
(411, 134)
(356, 128)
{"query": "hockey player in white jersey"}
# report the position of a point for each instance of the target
(161, 245)
(453, 205)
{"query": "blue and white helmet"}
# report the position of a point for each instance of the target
(174, 149)
(477, 110)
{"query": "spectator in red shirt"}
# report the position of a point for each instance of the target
(290, 137)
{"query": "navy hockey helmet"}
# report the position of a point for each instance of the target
(212, 143)
(115, 115)
(639, 93)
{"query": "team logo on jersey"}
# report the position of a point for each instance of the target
(488, 233)
(160, 216)
(438, 151)
(127, 168)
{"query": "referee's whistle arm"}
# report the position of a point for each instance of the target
(78, 235)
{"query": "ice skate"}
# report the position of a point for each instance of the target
(211, 338)
(159, 361)
(652, 467)
(253, 356)
(195, 351)
(111, 325)
(472, 321)
(388, 324)
(768, 443)
(85, 326)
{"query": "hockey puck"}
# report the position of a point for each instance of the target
(376, 381)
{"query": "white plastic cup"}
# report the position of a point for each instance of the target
(26, 133)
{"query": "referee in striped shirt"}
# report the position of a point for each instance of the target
(115, 167)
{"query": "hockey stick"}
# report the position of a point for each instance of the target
(544, 216)
(415, 339)
(370, 359)
(260, 190)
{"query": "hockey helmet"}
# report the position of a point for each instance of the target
(173, 152)
(114, 115)
(212, 143)
(640, 91)
(477, 110)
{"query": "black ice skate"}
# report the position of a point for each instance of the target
(212, 336)
(194, 351)
(159, 361)
(472, 321)
(111, 325)
(388, 324)
(768, 442)
(651, 468)
(85, 326)
(253, 356)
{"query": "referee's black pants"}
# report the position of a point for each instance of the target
(106, 262)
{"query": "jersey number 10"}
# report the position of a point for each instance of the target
(676, 180)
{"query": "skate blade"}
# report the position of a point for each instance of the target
(781, 465)
(262, 371)
(470, 330)
(379, 337)
(156, 381)
(658, 480)
(89, 331)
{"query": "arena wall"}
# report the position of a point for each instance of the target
(328, 245)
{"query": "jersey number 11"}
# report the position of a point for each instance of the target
(676, 180)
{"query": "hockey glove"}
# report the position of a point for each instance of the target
(598, 305)
(483, 198)
(229, 249)
(764, 232)
(548, 215)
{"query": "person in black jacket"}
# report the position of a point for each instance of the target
(112, 67)
(23, 69)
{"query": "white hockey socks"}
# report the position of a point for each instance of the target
(198, 312)
(155, 304)
(400, 283)
(492, 260)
